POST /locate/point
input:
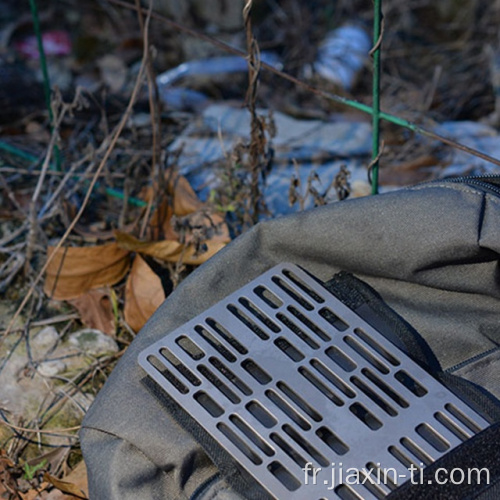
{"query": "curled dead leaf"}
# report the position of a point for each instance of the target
(75, 270)
(73, 486)
(169, 250)
(178, 199)
(184, 198)
(96, 310)
(143, 294)
(8, 482)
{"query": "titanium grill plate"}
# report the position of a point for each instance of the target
(285, 377)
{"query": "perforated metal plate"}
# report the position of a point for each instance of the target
(288, 379)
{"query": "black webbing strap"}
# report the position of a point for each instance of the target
(365, 301)
(472, 470)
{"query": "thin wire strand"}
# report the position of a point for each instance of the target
(326, 95)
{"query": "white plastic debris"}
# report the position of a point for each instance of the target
(184, 98)
(342, 54)
(322, 147)
(212, 66)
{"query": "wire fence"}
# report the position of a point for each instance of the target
(377, 114)
(374, 110)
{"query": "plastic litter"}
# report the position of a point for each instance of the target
(55, 43)
(178, 98)
(318, 146)
(212, 66)
(342, 54)
(183, 98)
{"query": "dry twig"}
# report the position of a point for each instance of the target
(102, 164)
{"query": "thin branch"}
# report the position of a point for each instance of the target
(53, 432)
(100, 168)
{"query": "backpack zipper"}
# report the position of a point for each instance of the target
(488, 183)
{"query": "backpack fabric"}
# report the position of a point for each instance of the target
(431, 253)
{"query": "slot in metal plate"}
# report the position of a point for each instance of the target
(282, 374)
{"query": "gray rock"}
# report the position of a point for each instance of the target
(93, 342)
(51, 368)
(44, 341)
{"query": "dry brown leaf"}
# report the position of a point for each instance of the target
(160, 225)
(143, 294)
(96, 310)
(180, 199)
(7, 481)
(169, 250)
(184, 197)
(222, 233)
(92, 233)
(74, 270)
(73, 486)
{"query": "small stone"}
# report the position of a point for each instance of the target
(360, 189)
(44, 341)
(51, 368)
(93, 342)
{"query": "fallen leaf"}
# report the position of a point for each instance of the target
(94, 232)
(184, 197)
(179, 199)
(96, 310)
(8, 483)
(73, 486)
(169, 250)
(159, 225)
(74, 270)
(194, 220)
(143, 294)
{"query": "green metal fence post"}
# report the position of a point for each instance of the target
(46, 79)
(377, 17)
